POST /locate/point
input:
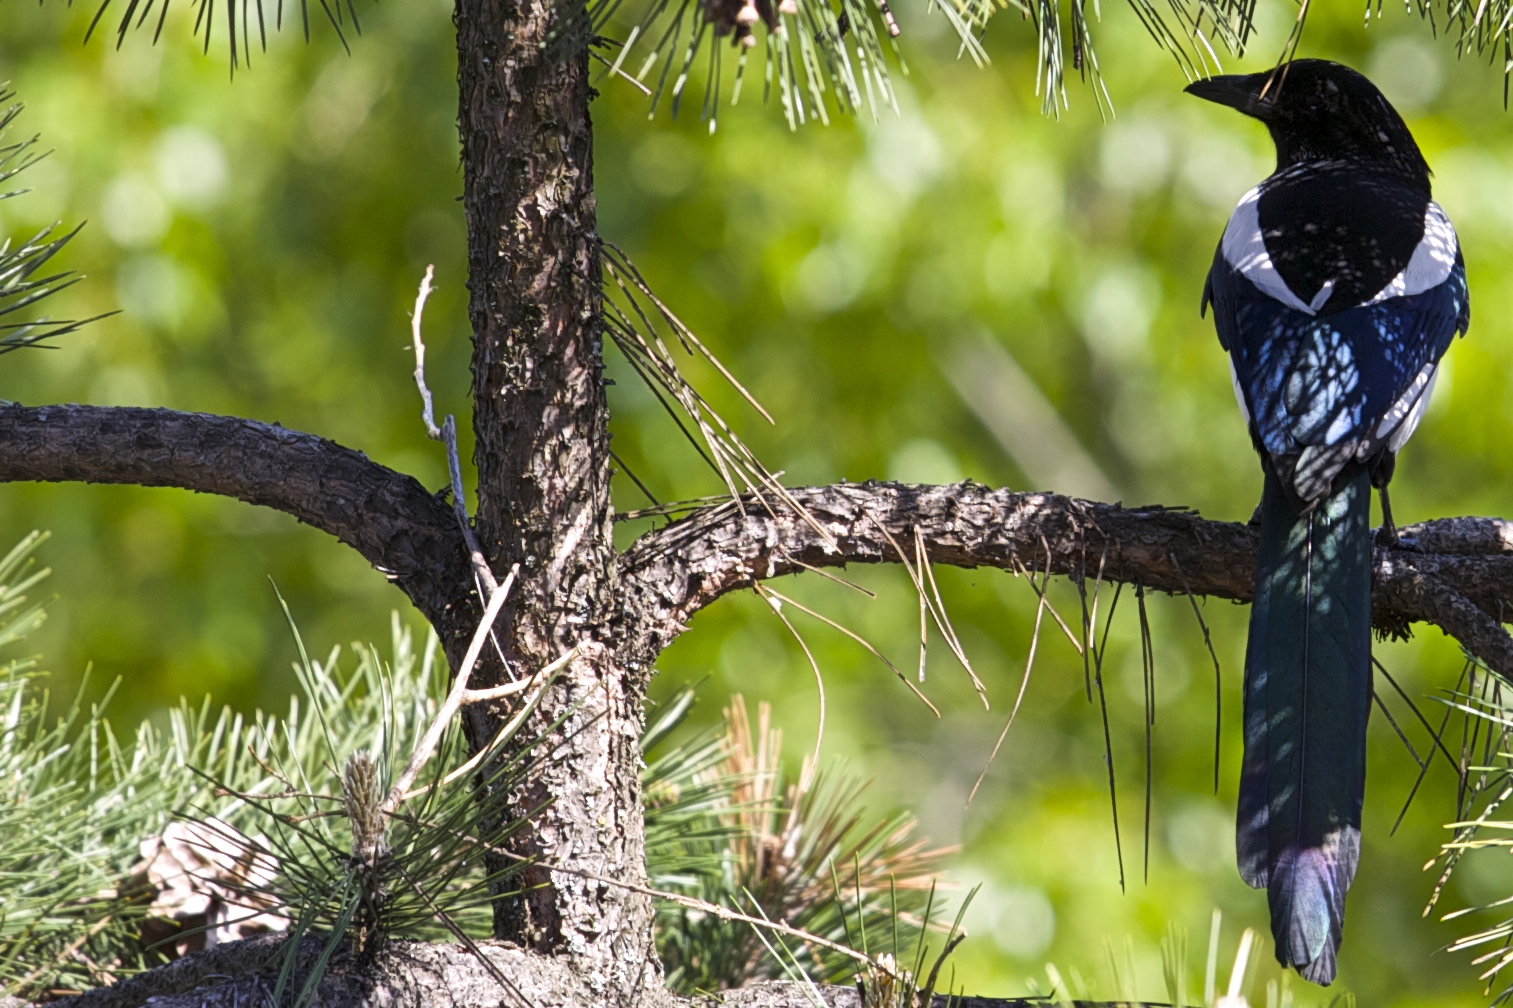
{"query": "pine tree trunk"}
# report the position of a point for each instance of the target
(542, 456)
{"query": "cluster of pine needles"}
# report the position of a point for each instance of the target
(122, 854)
(726, 824)
(1483, 760)
(25, 279)
(820, 58)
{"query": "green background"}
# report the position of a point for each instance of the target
(264, 233)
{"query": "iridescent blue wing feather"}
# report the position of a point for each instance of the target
(1321, 391)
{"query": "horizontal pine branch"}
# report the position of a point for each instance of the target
(1454, 573)
(394, 522)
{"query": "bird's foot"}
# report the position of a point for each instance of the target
(1388, 537)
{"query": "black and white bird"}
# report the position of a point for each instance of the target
(1337, 287)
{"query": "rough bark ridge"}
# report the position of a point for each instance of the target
(412, 973)
(1455, 573)
(540, 419)
(388, 517)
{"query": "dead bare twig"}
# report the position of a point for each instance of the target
(447, 434)
(427, 745)
(921, 580)
(860, 640)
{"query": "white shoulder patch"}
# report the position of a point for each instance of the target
(1244, 248)
(1432, 260)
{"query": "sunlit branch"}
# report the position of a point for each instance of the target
(388, 517)
(1455, 573)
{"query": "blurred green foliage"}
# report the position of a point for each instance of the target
(264, 234)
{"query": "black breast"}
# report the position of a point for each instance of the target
(1340, 223)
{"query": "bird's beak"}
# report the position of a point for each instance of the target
(1240, 91)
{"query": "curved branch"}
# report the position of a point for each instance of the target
(1462, 586)
(1414, 594)
(388, 517)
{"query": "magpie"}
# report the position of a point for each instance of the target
(1337, 287)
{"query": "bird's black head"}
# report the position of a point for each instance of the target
(1321, 111)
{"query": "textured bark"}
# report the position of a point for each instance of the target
(1456, 573)
(1460, 536)
(418, 975)
(415, 974)
(541, 423)
(388, 517)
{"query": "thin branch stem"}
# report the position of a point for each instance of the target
(427, 745)
(427, 411)
(447, 434)
(541, 681)
(1459, 577)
